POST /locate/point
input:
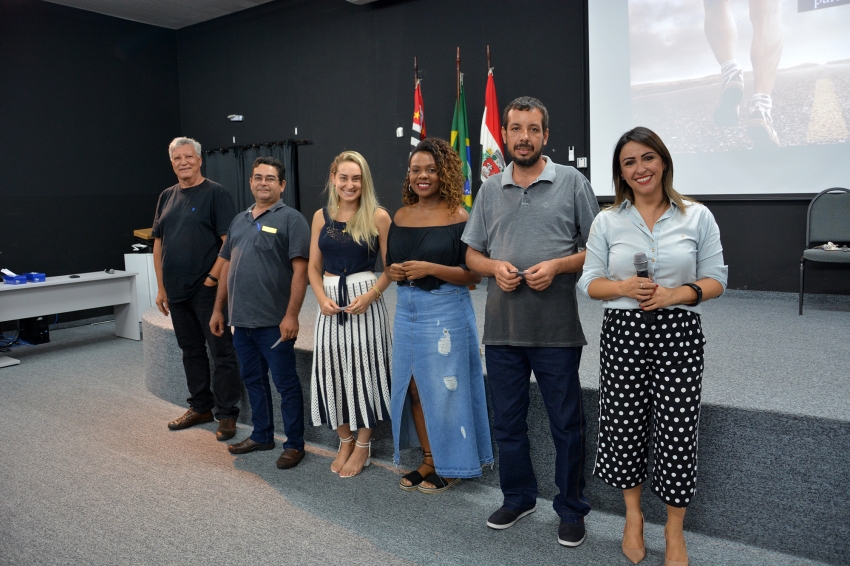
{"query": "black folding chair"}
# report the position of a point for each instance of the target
(828, 221)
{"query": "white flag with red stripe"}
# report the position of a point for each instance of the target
(492, 152)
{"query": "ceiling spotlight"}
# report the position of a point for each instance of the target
(235, 117)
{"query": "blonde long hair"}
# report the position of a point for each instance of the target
(361, 226)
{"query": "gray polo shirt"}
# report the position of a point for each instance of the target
(548, 220)
(260, 252)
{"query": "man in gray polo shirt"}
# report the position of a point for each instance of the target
(263, 282)
(524, 234)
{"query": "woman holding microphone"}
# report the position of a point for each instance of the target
(651, 347)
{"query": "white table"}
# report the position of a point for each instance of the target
(146, 285)
(65, 294)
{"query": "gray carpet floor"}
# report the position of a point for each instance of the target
(91, 475)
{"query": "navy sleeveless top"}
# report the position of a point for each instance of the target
(342, 256)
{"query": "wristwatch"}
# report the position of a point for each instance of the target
(214, 279)
(696, 288)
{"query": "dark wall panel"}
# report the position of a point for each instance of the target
(89, 104)
(343, 75)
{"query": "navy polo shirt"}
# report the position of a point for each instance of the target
(260, 251)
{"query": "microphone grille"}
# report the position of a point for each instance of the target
(640, 257)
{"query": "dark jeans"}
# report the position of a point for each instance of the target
(191, 321)
(256, 357)
(556, 369)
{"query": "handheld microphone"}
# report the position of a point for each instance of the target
(642, 269)
(641, 265)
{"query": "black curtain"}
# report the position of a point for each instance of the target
(231, 167)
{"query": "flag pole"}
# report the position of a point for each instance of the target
(415, 71)
(489, 67)
(458, 73)
(462, 144)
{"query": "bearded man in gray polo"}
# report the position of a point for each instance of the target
(524, 234)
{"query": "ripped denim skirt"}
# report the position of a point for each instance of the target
(435, 342)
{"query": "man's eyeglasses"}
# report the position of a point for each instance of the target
(269, 179)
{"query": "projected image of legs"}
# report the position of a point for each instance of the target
(784, 72)
(721, 31)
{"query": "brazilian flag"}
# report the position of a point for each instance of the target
(460, 143)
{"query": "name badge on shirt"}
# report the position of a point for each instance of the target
(269, 229)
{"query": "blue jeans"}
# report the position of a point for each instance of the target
(256, 357)
(556, 369)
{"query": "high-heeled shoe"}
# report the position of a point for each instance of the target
(634, 555)
(342, 441)
(367, 446)
(667, 561)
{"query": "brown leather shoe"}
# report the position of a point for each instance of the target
(290, 458)
(226, 429)
(248, 445)
(191, 418)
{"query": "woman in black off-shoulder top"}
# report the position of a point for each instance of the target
(438, 400)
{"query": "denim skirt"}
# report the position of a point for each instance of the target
(435, 341)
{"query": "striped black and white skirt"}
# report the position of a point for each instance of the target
(350, 379)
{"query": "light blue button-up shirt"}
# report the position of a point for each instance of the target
(683, 247)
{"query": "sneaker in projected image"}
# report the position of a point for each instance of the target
(760, 129)
(731, 94)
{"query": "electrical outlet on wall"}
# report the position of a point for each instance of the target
(581, 162)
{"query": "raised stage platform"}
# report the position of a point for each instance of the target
(774, 455)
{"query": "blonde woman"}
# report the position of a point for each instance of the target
(350, 379)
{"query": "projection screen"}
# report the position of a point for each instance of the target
(658, 63)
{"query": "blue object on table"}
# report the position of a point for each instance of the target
(34, 277)
(15, 280)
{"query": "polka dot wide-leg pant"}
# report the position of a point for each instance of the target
(650, 378)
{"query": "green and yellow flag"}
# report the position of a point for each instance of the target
(460, 143)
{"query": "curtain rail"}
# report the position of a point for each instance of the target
(257, 145)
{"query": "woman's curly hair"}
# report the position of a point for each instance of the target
(449, 171)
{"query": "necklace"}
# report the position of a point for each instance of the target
(344, 230)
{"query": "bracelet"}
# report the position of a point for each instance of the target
(215, 279)
(696, 288)
(378, 291)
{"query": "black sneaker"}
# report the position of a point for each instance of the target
(505, 517)
(571, 534)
